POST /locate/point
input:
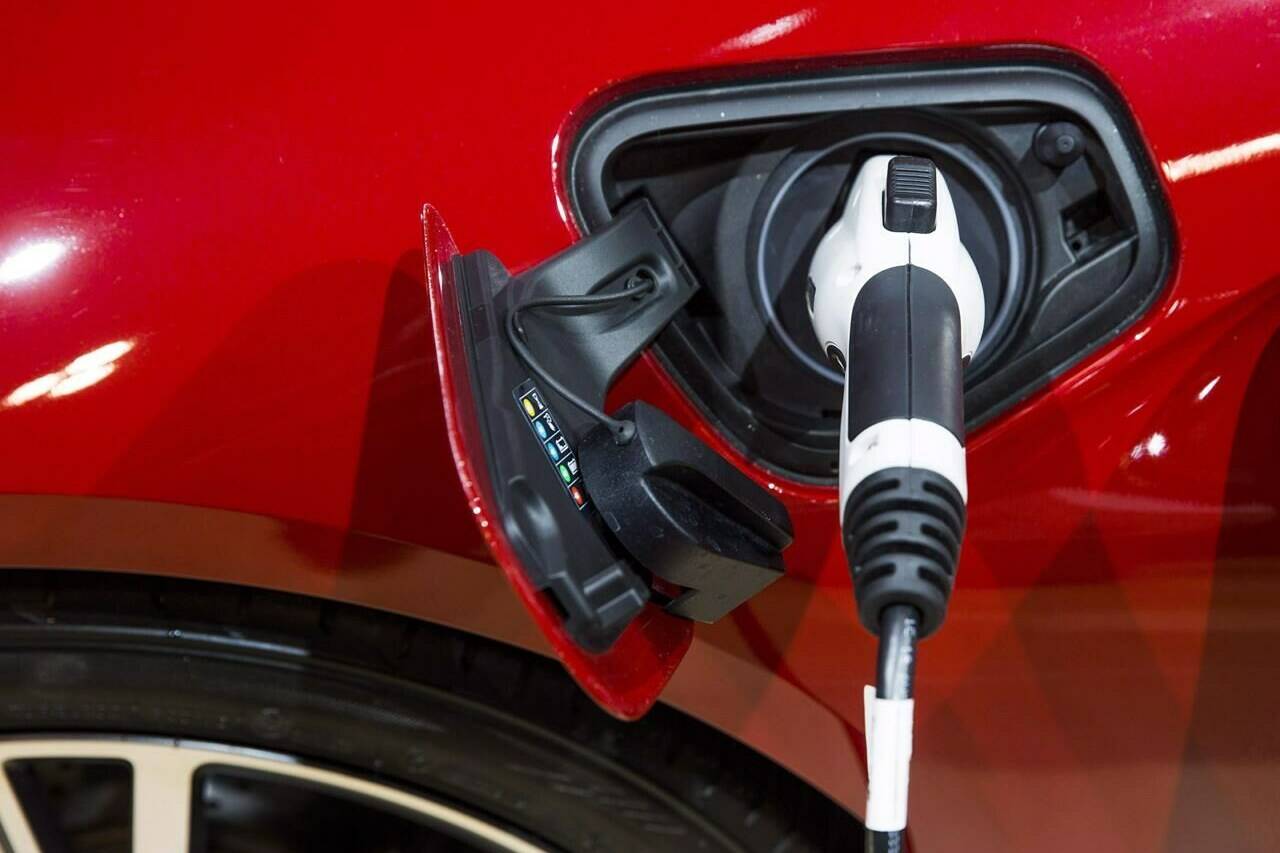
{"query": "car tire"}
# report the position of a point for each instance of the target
(500, 732)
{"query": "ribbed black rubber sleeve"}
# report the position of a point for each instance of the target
(902, 533)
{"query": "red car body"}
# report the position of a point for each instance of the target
(237, 195)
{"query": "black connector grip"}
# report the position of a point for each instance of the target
(902, 533)
(904, 361)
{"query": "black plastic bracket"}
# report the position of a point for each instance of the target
(587, 351)
(682, 511)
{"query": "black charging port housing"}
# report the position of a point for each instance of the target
(1058, 204)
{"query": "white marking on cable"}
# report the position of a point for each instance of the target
(888, 724)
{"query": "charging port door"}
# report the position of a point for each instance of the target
(591, 605)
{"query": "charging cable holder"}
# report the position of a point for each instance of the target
(543, 349)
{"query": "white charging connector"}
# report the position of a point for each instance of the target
(897, 304)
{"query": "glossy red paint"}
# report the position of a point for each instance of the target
(238, 193)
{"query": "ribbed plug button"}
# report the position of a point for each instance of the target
(911, 195)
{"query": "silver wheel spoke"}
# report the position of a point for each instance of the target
(13, 820)
(162, 798)
(163, 772)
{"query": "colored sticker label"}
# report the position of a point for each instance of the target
(531, 402)
(548, 423)
(555, 444)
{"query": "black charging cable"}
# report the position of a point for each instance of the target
(636, 287)
(895, 679)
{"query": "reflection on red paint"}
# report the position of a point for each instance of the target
(29, 261)
(82, 372)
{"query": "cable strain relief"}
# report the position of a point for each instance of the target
(902, 533)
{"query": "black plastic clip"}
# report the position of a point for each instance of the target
(685, 513)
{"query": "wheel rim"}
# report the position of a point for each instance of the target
(166, 806)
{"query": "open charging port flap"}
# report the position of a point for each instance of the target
(614, 550)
